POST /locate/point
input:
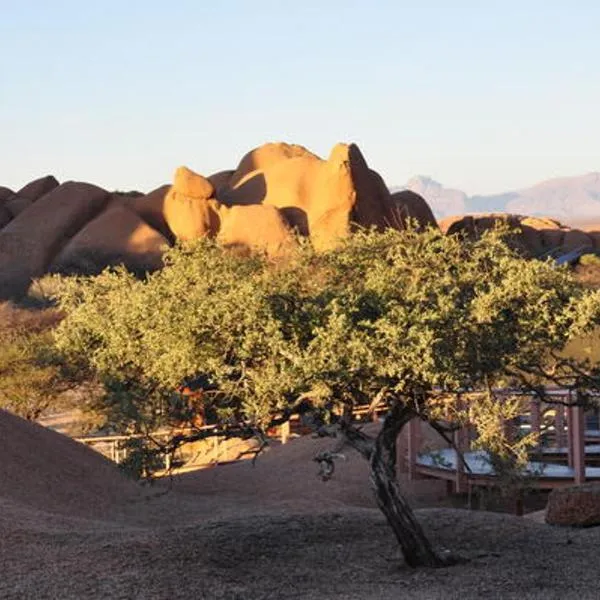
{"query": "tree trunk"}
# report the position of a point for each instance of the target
(381, 454)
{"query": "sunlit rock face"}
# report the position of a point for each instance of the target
(276, 193)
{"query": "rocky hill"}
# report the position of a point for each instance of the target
(276, 192)
(568, 199)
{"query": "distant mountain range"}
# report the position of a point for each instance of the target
(568, 199)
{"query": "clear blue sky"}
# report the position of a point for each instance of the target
(481, 95)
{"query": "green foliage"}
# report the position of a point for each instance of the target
(30, 379)
(392, 317)
(588, 270)
(590, 260)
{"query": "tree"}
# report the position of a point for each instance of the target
(425, 325)
(30, 380)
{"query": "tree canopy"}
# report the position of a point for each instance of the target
(405, 320)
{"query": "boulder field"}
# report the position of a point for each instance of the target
(276, 192)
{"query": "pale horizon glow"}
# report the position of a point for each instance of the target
(482, 97)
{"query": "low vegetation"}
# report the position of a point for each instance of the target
(30, 378)
(426, 325)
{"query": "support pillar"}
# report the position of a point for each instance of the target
(462, 442)
(577, 443)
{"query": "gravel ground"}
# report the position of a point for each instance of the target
(242, 532)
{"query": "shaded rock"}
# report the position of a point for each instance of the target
(116, 236)
(372, 207)
(190, 210)
(37, 188)
(150, 208)
(410, 205)
(220, 180)
(29, 243)
(553, 238)
(5, 194)
(532, 236)
(255, 228)
(5, 217)
(16, 205)
(575, 506)
(575, 239)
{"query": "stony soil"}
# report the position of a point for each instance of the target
(71, 527)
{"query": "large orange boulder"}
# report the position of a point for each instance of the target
(410, 205)
(116, 236)
(319, 198)
(266, 156)
(29, 243)
(256, 227)
(37, 188)
(190, 209)
(151, 208)
(449, 224)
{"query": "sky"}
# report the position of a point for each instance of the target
(481, 96)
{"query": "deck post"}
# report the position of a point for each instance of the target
(577, 442)
(414, 443)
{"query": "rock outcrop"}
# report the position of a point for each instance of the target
(534, 236)
(151, 208)
(190, 209)
(319, 198)
(258, 227)
(266, 156)
(31, 240)
(5, 216)
(575, 506)
(116, 236)
(38, 188)
(5, 194)
(407, 205)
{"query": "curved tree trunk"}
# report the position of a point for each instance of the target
(381, 454)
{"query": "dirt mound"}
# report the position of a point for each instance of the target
(44, 470)
(286, 477)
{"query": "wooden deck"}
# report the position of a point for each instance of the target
(568, 452)
(442, 464)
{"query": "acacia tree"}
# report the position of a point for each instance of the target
(400, 320)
